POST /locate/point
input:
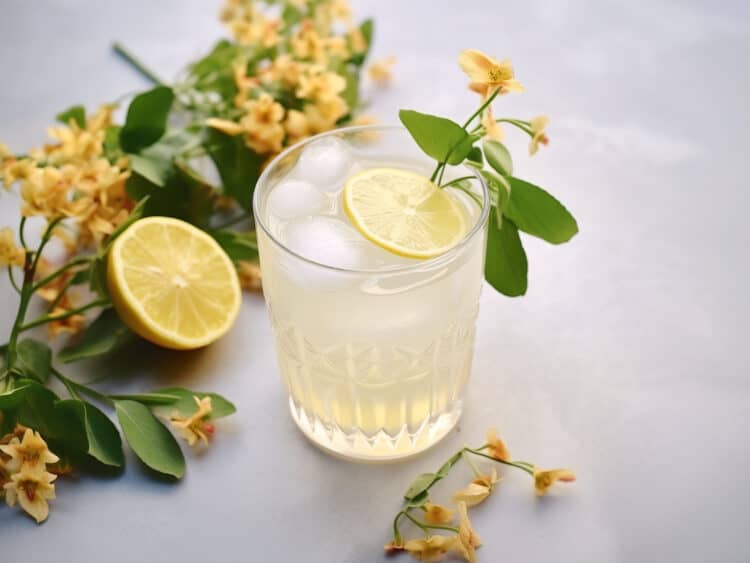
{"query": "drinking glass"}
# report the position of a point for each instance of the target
(375, 360)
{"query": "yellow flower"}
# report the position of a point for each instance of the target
(250, 276)
(31, 452)
(307, 44)
(496, 447)
(264, 132)
(483, 69)
(341, 10)
(251, 27)
(46, 191)
(12, 169)
(297, 126)
(323, 114)
(10, 253)
(469, 540)
(437, 514)
(243, 82)
(31, 488)
(195, 427)
(317, 83)
(380, 71)
(283, 69)
(478, 490)
(538, 135)
(261, 124)
(433, 548)
(543, 480)
(336, 47)
(71, 325)
(224, 125)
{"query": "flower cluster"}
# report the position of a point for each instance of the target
(72, 178)
(463, 539)
(301, 82)
(24, 479)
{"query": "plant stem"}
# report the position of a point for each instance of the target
(49, 318)
(487, 102)
(66, 382)
(131, 59)
(426, 526)
(456, 181)
(84, 389)
(521, 465)
(13, 280)
(23, 304)
(396, 533)
(440, 168)
(76, 262)
(474, 468)
(21, 235)
(60, 294)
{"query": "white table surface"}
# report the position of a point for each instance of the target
(625, 361)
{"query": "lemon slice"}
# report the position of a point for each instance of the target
(403, 212)
(172, 283)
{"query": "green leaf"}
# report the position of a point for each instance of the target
(155, 171)
(538, 213)
(420, 484)
(103, 441)
(440, 138)
(111, 144)
(146, 121)
(37, 410)
(505, 266)
(148, 398)
(498, 157)
(238, 166)
(418, 500)
(34, 359)
(106, 334)
(11, 399)
(238, 246)
(351, 92)
(186, 406)
(214, 71)
(76, 113)
(448, 465)
(98, 276)
(149, 439)
(474, 158)
(367, 29)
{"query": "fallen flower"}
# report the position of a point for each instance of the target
(31, 453)
(437, 513)
(31, 488)
(543, 480)
(195, 427)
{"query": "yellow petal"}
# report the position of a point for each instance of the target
(224, 125)
(437, 514)
(543, 480)
(472, 494)
(477, 65)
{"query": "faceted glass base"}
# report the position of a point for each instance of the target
(381, 447)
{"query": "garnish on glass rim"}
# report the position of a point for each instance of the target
(516, 204)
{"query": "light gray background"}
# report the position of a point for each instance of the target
(626, 360)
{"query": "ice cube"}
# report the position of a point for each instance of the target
(325, 163)
(296, 198)
(325, 240)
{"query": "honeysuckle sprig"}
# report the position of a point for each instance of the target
(438, 518)
(517, 205)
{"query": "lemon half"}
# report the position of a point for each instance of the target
(403, 212)
(172, 283)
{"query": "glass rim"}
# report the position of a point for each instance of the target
(427, 263)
